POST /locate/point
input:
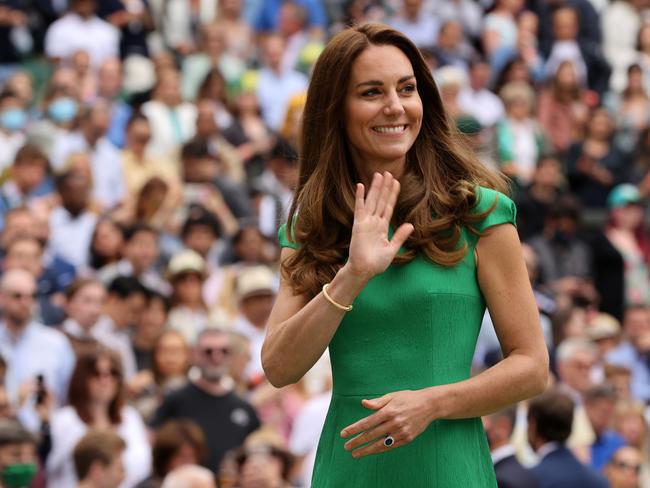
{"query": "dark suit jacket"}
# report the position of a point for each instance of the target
(511, 474)
(561, 469)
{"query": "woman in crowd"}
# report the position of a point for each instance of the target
(96, 400)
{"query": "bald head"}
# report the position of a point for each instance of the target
(17, 290)
(190, 476)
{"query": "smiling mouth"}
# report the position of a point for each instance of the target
(390, 129)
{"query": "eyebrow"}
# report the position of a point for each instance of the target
(380, 83)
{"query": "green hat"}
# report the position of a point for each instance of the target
(622, 195)
(468, 124)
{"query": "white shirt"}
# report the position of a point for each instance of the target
(274, 92)
(256, 336)
(106, 166)
(9, 145)
(500, 453)
(36, 350)
(306, 432)
(67, 429)
(170, 127)
(423, 31)
(70, 236)
(72, 33)
(484, 105)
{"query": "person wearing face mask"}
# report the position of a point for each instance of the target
(60, 110)
(18, 458)
(13, 120)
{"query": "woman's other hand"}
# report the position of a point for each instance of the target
(370, 250)
(403, 415)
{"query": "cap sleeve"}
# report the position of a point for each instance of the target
(284, 238)
(505, 210)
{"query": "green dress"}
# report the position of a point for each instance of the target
(412, 327)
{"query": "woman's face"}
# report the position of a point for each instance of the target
(644, 38)
(250, 246)
(171, 355)
(566, 75)
(103, 384)
(628, 217)
(633, 429)
(600, 125)
(187, 287)
(383, 109)
(108, 240)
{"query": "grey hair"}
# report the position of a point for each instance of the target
(569, 347)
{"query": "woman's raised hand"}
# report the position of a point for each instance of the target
(370, 250)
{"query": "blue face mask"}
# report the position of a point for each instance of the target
(62, 110)
(13, 119)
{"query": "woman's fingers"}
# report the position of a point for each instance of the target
(400, 236)
(359, 205)
(391, 200)
(384, 193)
(373, 194)
(380, 431)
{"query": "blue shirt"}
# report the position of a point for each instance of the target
(36, 350)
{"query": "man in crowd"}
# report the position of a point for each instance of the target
(225, 418)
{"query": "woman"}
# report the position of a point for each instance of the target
(170, 364)
(562, 111)
(406, 349)
(106, 245)
(520, 141)
(96, 400)
(596, 164)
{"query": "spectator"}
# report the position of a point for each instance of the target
(177, 443)
(476, 99)
(189, 476)
(550, 417)
(140, 257)
(72, 223)
(98, 460)
(510, 473)
(13, 120)
(30, 179)
(168, 372)
(520, 140)
(632, 352)
(276, 84)
(149, 328)
(563, 112)
(630, 422)
(18, 461)
(600, 402)
(108, 178)
(189, 314)
(96, 400)
(30, 348)
(263, 463)
(225, 418)
(624, 468)
(420, 26)
(106, 244)
(172, 120)
(255, 292)
(81, 30)
(535, 200)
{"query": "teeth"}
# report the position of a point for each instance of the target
(390, 130)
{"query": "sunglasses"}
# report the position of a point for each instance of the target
(16, 295)
(622, 464)
(209, 351)
(113, 373)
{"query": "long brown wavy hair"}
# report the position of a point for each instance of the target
(438, 189)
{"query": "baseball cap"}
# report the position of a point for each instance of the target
(622, 195)
(603, 326)
(184, 262)
(255, 280)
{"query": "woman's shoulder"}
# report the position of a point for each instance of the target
(501, 208)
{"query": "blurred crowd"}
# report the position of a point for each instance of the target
(148, 154)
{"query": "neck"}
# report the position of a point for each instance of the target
(86, 484)
(15, 327)
(216, 388)
(368, 168)
(99, 413)
(494, 445)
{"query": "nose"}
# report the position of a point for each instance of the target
(393, 104)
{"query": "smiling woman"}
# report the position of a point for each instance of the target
(389, 280)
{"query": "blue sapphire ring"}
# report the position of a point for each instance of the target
(389, 440)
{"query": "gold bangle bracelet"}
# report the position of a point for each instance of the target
(331, 300)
